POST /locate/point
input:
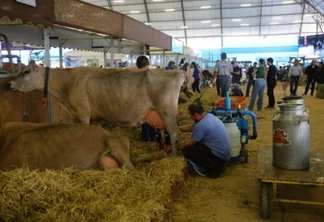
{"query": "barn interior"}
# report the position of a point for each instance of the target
(161, 188)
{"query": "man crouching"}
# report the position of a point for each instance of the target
(208, 150)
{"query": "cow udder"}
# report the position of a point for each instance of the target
(154, 118)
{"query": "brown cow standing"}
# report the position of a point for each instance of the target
(54, 146)
(125, 97)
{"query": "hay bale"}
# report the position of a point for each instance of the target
(302, 81)
(73, 195)
(320, 91)
(183, 98)
(189, 93)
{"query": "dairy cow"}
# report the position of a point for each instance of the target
(125, 97)
(54, 146)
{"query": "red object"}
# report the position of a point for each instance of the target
(240, 101)
(44, 101)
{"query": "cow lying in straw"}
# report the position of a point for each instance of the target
(54, 146)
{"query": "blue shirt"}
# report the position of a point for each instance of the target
(211, 132)
(196, 74)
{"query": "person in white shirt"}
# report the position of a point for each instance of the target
(295, 72)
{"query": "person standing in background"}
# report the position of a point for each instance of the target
(185, 67)
(311, 75)
(148, 132)
(196, 74)
(295, 72)
(223, 72)
(259, 85)
(271, 83)
(320, 73)
(250, 79)
(217, 83)
(236, 74)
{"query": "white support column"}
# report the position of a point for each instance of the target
(61, 52)
(112, 52)
(163, 60)
(105, 56)
(47, 61)
(132, 62)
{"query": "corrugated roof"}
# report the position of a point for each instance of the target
(192, 19)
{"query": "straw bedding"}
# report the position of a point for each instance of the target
(73, 195)
(113, 195)
(320, 91)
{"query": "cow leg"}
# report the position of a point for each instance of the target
(173, 131)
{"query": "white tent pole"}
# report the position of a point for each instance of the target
(61, 52)
(105, 56)
(112, 53)
(47, 61)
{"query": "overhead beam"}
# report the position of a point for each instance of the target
(221, 22)
(147, 12)
(184, 22)
(252, 16)
(109, 4)
(318, 16)
(244, 35)
(195, 9)
(253, 26)
(260, 19)
(302, 19)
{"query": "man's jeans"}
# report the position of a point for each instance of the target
(224, 83)
(294, 81)
(258, 90)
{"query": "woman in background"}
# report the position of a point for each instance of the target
(196, 74)
(259, 84)
(148, 132)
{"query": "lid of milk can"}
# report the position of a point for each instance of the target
(292, 98)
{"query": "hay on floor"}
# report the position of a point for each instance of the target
(73, 195)
(320, 91)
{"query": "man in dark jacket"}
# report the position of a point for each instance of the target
(311, 77)
(250, 79)
(271, 83)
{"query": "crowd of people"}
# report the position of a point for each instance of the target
(208, 150)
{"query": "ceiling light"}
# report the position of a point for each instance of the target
(274, 23)
(183, 27)
(206, 6)
(308, 15)
(298, 21)
(277, 17)
(119, 1)
(287, 2)
(214, 25)
(204, 22)
(134, 12)
(245, 24)
(246, 5)
(169, 10)
(236, 20)
(147, 23)
(158, 0)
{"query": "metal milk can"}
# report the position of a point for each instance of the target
(291, 137)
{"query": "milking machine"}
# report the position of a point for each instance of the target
(237, 125)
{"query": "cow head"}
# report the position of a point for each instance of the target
(30, 79)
